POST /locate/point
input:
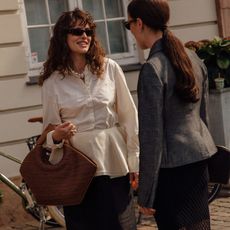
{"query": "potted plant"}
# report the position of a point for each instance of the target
(219, 82)
(216, 56)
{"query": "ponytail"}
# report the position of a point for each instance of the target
(155, 14)
(186, 86)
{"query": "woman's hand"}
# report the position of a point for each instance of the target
(147, 211)
(64, 131)
(134, 180)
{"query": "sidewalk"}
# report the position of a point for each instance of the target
(220, 216)
(219, 209)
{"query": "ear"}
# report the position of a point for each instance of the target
(140, 24)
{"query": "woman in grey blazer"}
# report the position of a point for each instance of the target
(174, 138)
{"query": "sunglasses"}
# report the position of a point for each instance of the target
(128, 23)
(80, 32)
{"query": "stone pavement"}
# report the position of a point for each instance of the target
(220, 216)
(220, 219)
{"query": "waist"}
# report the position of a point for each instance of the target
(94, 127)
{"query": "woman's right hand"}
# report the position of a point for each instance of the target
(147, 211)
(64, 131)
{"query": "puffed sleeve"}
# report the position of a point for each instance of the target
(50, 105)
(127, 118)
(50, 111)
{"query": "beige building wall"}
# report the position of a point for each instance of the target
(190, 20)
(18, 101)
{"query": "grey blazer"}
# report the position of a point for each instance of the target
(171, 132)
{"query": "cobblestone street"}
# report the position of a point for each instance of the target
(220, 216)
(220, 219)
(13, 217)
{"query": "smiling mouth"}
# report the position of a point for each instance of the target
(81, 43)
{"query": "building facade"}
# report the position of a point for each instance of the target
(26, 26)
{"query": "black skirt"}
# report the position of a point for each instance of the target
(182, 198)
(107, 205)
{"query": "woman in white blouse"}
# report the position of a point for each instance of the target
(85, 94)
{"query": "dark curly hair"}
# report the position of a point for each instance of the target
(59, 53)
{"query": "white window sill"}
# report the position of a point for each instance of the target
(33, 80)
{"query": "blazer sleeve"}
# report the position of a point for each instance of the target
(204, 98)
(150, 112)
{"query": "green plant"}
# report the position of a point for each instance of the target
(216, 56)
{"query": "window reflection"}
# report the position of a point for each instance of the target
(100, 30)
(56, 8)
(117, 37)
(94, 7)
(36, 12)
(113, 8)
(39, 40)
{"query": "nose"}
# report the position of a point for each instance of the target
(84, 34)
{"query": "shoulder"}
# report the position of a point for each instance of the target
(157, 68)
(196, 61)
(159, 61)
(110, 63)
(112, 68)
(54, 78)
(53, 82)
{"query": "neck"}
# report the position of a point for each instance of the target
(79, 63)
(152, 37)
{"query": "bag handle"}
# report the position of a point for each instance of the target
(42, 138)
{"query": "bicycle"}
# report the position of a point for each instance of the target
(213, 191)
(50, 215)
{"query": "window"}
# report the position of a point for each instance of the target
(41, 15)
(108, 15)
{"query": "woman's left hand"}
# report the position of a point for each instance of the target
(134, 180)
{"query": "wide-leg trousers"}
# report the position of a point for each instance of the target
(107, 205)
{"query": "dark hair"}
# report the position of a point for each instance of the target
(59, 54)
(155, 14)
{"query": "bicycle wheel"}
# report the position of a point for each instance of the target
(213, 191)
(57, 213)
(35, 212)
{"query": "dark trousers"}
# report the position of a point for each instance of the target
(107, 205)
